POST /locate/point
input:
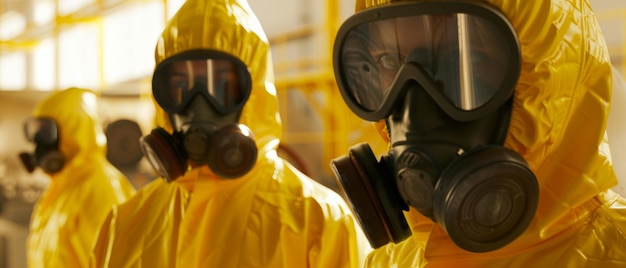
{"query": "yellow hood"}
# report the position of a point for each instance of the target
(75, 111)
(241, 35)
(560, 107)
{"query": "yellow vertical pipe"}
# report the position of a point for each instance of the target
(334, 132)
(57, 49)
(100, 22)
(623, 53)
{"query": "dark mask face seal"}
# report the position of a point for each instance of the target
(442, 76)
(203, 93)
(44, 133)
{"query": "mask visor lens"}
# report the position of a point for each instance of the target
(41, 130)
(225, 83)
(470, 58)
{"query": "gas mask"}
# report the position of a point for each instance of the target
(442, 76)
(44, 133)
(203, 93)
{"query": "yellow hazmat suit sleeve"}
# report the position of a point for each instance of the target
(560, 111)
(66, 218)
(274, 216)
(149, 238)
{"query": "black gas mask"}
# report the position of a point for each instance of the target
(44, 133)
(203, 92)
(442, 76)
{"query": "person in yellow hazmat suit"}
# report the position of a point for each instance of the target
(70, 146)
(495, 113)
(226, 199)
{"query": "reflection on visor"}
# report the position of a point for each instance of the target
(225, 83)
(468, 58)
(41, 130)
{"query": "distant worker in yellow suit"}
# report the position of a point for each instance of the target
(495, 113)
(227, 198)
(70, 146)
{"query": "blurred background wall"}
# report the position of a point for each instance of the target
(108, 46)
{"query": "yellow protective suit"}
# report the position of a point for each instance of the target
(616, 130)
(560, 110)
(274, 216)
(67, 217)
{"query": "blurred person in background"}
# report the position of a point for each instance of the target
(70, 147)
(226, 199)
(495, 112)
